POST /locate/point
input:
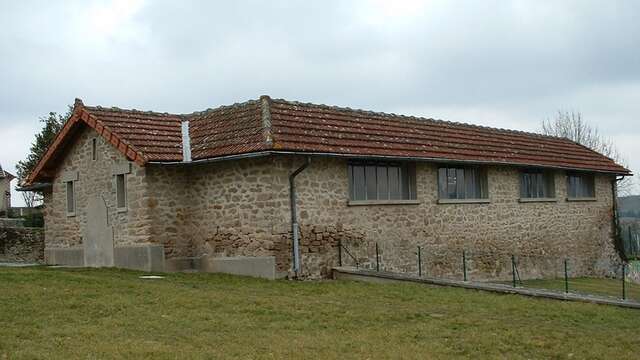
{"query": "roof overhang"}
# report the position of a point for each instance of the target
(35, 187)
(44, 169)
(387, 158)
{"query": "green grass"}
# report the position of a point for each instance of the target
(63, 313)
(594, 286)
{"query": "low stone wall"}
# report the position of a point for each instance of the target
(21, 245)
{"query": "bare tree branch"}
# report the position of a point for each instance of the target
(570, 125)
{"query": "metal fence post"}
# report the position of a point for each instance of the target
(566, 277)
(513, 269)
(624, 286)
(377, 258)
(419, 262)
(340, 253)
(464, 265)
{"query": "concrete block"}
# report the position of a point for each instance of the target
(72, 256)
(147, 257)
(260, 266)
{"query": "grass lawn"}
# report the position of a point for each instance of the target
(593, 286)
(65, 313)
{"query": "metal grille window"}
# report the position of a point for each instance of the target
(381, 181)
(581, 186)
(462, 183)
(537, 184)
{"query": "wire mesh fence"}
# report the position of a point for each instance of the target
(574, 275)
(631, 242)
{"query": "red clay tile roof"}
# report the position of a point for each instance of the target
(275, 125)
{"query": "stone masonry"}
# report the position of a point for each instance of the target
(241, 208)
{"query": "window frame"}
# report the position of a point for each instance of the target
(577, 195)
(461, 171)
(121, 191)
(73, 201)
(548, 178)
(360, 190)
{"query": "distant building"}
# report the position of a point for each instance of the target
(5, 190)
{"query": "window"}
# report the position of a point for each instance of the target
(537, 184)
(462, 183)
(580, 186)
(121, 192)
(94, 149)
(71, 198)
(381, 181)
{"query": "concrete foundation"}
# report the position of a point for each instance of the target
(64, 256)
(148, 258)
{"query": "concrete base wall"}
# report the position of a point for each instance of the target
(64, 256)
(255, 266)
(148, 258)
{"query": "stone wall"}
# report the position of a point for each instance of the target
(21, 245)
(96, 177)
(241, 208)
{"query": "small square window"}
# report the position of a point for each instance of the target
(537, 184)
(462, 183)
(121, 192)
(581, 186)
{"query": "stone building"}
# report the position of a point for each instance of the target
(271, 187)
(5, 191)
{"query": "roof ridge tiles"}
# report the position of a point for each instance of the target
(221, 107)
(126, 111)
(417, 118)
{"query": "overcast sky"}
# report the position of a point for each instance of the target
(497, 63)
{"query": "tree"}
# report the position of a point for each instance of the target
(53, 123)
(570, 125)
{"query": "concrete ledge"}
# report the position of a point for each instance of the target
(72, 256)
(259, 266)
(148, 258)
(344, 273)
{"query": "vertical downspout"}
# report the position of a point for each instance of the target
(618, 243)
(295, 231)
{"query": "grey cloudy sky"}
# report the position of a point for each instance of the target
(499, 63)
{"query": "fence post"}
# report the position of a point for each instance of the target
(513, 269)
(566, 277)
(464, 265)
(624, 286)
(419, 262)
(340, 253)
(377, 258)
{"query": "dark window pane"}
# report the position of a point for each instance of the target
(394, 183)
(121, 191)
(71, 203)
(452, 183)
(383, 183)
(442, 182)
(359, 192)
(460, 184)
(472, 185)
(370, 178)
(405, 181)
